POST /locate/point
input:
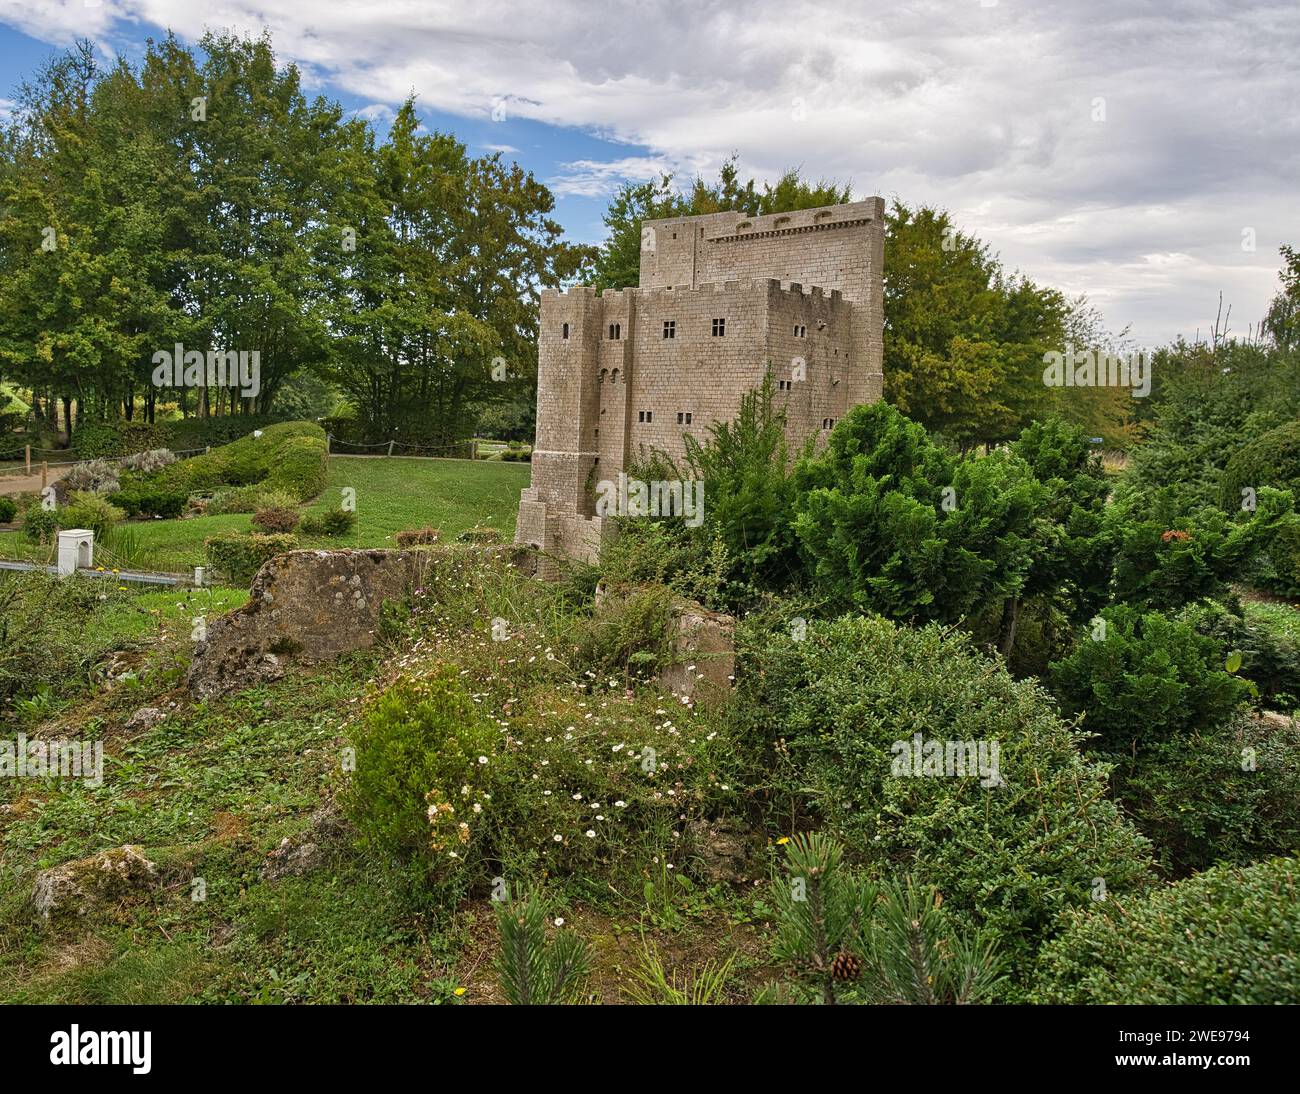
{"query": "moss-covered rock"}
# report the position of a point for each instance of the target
(84, 886)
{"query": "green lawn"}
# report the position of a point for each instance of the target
(391, 495)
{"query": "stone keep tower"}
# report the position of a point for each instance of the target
(723, 298)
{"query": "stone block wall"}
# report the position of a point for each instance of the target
(723, 299)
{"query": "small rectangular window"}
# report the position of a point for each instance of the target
(683, 417)
(800, 331)
(670, 328)
(564, 332)
(783, 385)
(719, 328)
(645, 416)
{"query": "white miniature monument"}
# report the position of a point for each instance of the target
(76, 549)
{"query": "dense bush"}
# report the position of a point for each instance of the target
(630, 633)
(892, 523)
(86, 510)
(275, 520)
(288, 457)
(239, 555)
(40, 524)
(332, 522)
(93, 476)
(1229, 794)
(1169, 555)
(1207, 402)
(1140, 679)
(1074, 547)
(482, 536)
(44, 640)
(8, 510)
(1010, 856)
(427, 766)
(139, 498)
(95, 440)
(667, 552)
(1201, 781)
(1229, 935)
(1267, 636)
(1271, 459)
(748, 491)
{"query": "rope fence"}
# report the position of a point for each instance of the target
(20, 457)
(467, 449)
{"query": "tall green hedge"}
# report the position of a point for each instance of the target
(1229, 935)
(95, 439)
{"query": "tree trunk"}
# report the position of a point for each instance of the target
(1010, 617)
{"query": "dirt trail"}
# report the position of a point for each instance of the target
(29, 484)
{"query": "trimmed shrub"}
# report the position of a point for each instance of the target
(239, 555)
(418, 537)
(275, 520)
(141, 499)
(480, 536)
(289, 457)
(843, 708)
(94, 477)
(85, 510)
(1271, 459)
(1229, 935)
(8, 510)
(123, 438)
(242, 499)
(94, 440)
(332, 522)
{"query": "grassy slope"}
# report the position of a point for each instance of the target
(391, 495)
(209, 792)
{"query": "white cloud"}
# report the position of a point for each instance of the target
(593, 178)
(987, 111)
(377, 113)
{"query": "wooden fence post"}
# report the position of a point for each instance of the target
(27, 458)
(390, 447)
(45, 472)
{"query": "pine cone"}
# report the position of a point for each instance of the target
(846, 966)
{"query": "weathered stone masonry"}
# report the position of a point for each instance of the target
(722, 299)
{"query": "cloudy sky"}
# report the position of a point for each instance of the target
(1144, 152)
